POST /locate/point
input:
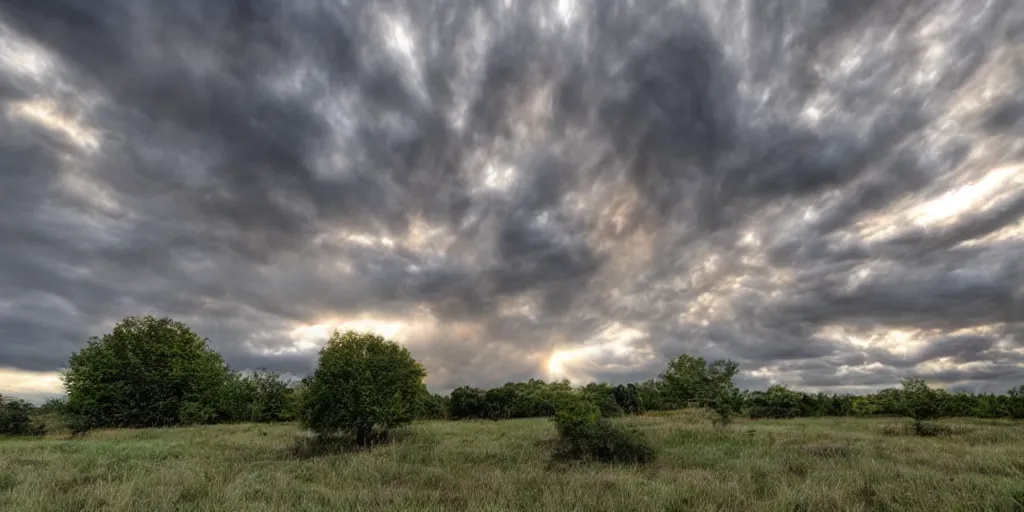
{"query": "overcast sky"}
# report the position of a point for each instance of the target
(830, 193)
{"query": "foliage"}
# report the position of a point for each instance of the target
(430, 406)
(918, 401)
(16, 418)
(692, 381)
(53, 406)
(725, 402)
(1016, 402)
(467, 402)
(260, 397)
(775, 403)
(584, 434)
(534, 398)
(146, 372)
(628, 398)
(603, 396)
(363, 386)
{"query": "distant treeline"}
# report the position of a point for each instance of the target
(537, 398)
(157, 372)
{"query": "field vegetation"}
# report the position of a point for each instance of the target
(155, 420)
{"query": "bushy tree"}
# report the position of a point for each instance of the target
(692, 381)
(363, 386)
(1016, 402)
(919, 402)
(432, 406)
(628, 398)
(777, 402)
(260, 397)
(16, 418)
(603, 396)
(467, 402)
(651, 393)
(53, 406)
(146, 372)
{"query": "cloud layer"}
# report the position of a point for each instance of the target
(830, 193)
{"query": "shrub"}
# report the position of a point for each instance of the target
(363, 386)
(16, 418)
(585, 435)
(146, 372)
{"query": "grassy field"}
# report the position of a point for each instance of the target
(807, 464)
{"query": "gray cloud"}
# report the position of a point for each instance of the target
(831, 194)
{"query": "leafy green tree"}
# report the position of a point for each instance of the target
(685, 380)
(272, 399)
(16, 418)
(146, 372)
(628, 398)
(363, 386)
(692, 381)
(865, 406)
(775, 403)
(467, 402)
(919, 402)
(237, 399)
(432, 406)
(652, 395)
(1015, 402)
(603, 396)
(53, 406)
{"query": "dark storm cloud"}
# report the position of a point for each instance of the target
(729, 179)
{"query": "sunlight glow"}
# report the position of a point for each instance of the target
(47, 114)
(612, 350)
(27, 383)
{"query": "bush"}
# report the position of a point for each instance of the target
(585, 435)
(363, 386)
(16, 418)
(147, 372)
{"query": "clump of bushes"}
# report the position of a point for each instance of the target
(583, 434)
(16, 418)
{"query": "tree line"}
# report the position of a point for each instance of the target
(150, 372)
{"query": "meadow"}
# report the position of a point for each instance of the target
(812, 464)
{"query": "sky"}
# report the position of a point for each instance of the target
(830, 193)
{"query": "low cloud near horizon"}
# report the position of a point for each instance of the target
(830, 193)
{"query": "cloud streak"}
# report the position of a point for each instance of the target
(830, 194)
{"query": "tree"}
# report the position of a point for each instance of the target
(467, 402)
(260, 397)
(363, 386)
(919, 402)
(1016, 405)
(690, 380)
(776, 403)
(16, 418)
(146, 372)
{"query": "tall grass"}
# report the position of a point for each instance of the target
(805, 464)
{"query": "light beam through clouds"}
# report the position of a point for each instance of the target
(830, 193)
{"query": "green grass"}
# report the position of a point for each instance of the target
(788, 465)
